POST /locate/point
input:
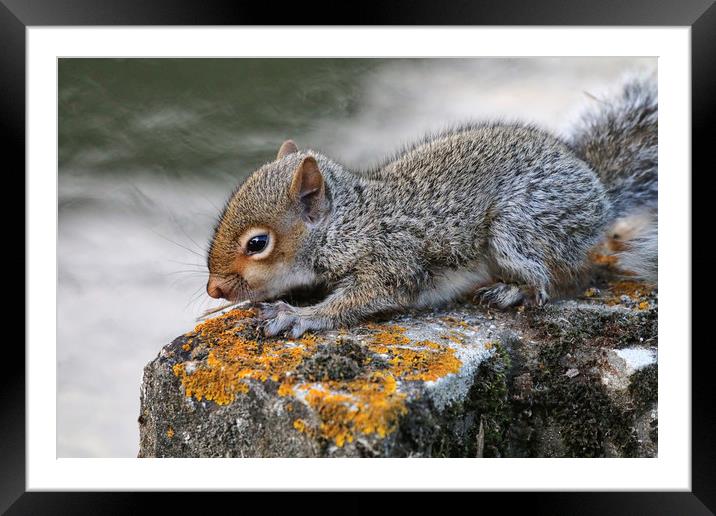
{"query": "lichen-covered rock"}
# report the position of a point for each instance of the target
(577, 378)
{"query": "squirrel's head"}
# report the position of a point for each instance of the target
(253, 251)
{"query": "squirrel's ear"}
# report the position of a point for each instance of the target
(287, 147)
(308, 189)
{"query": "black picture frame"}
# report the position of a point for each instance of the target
(17, 15)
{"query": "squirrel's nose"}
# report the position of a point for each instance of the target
(215, 289)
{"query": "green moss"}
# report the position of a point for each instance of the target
(333, 362)
(421, 429)
(654, 431)
(489, 399)
(596, 327)
(591, 424)
(587, 417)
(643, 388)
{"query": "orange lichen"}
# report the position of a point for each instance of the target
(367, 404)
(420, 361)
(300, 425)
(389, 335)
(634, 290)
(233, 359)
(426, 364)
(223, 326)
(170, 432)
(285, 389)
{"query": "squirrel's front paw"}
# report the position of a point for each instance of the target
(277, 317)
(271, 310)
(281, 317)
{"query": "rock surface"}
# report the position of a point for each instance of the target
(574, 379)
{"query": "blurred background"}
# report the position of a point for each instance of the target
(150, 149)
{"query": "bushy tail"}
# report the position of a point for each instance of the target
(618, 138)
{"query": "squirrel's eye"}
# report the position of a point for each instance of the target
(256, 244)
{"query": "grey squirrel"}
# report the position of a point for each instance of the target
(504, 208)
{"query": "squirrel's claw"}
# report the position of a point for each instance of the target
(271, 310)
(505, 295)
(293, 324)
(277, 317)
(541, 298)
(278, 324)
(501, 295)
(281, 317)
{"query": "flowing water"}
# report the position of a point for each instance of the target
(150, 149)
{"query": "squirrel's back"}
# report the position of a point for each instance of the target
(506, 195)
(488, 166)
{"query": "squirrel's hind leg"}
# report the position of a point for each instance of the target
(501, 295)
(517, 256)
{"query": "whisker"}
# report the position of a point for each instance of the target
(187, 271)
(181, 228)
(195, 296)
(223, 307)
(178, 244)
(202, 265)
